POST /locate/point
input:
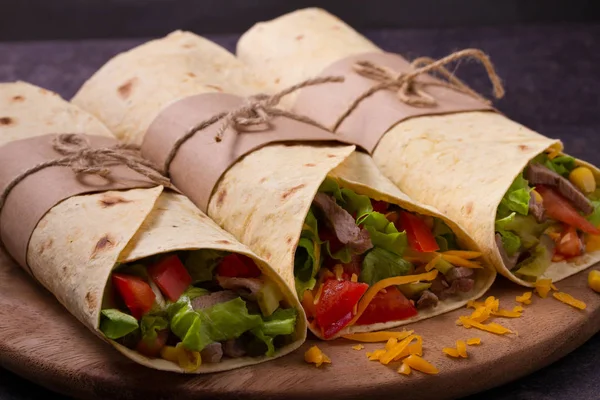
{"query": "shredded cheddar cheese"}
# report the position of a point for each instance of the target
(525, 298)
(382, 284)
(518, 309)
(543, 287)
(415, 348)
(474, 341)
(376, 355)
(391, 343)
(338, 271)
(570, 300)
(452, 352)
(492, 327)
(461, 262)
(418, 363)
(467, 255)
(354, 278)
(396, 350)
(461, 348)
(358, 347)
(404, 369)
(431, 264)
(507, 313)
(374, 337)
(314, 355)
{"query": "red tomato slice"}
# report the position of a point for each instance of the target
(379, 206)
(152, 349)
(560, 209)
(418, 233)
(135, 292)
(238, 266)
(569, 244)
(389, 306)
(336, 302)
(170, 276)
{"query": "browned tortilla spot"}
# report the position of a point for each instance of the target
(109, 201)
(104, 243)
(46, 245)
(277, 80)
(191, 74)
(126, 88)
(469, 207)
(523, 147)
(217, 88)
(291, 191)
(263, 180)
(268, 256)
(187, 45)
(223, 241)
(310, 165)
(18, 98)
(288, 240)
(299, 37)
(64, 269)
(90, 300)
(221, 197)
(331, 155)
(7, 121)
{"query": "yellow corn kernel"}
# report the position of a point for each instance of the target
(538, 197)
(404, 369)
(594, 280)
(583, 178)
(187, 359)
(461, 348)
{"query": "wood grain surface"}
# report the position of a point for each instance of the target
(44, 343)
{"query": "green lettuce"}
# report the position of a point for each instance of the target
(562, 165)
(307, 259)
(202, 263)
(444, 236)
(223, 321)
(594, 217)
(516, 198)
(526, 228)
(510, 242)
(281, 322)
(150, 325)
(384, 233)
(380, 264)
(115, 324)
(192, 292)
(356, 204)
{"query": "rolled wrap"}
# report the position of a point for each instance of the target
(79, 241)
(461, 163)
(262, 199)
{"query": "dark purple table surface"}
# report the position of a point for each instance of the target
(551, 77)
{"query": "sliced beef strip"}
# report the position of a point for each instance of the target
(343, 224)
(459, 273)
(464, 285)
(246, 287)
(537, 209)
(427, 299)
(212, 353)
(233, 348)
(537, 174)
(210, 300)
(509, 262)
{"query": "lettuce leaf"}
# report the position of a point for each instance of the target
(384, 233)
(192, 292)
(356, 204)
(562, 165)
(223, 321)
(115, 324)
(510, 242)
(202, 263)
(380, 264)
(307, 259)
(594, 217)
(150, 325)
(516, 198)
(444, 236)
(281, 322)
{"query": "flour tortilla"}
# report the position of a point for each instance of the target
(78, 242)
(462, 164)
(263, 198)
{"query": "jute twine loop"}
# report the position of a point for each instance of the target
(83, 159)
(411, 91)
(256, 114)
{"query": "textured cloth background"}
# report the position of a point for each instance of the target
(551, 77)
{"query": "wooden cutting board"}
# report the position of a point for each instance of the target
(44, 343)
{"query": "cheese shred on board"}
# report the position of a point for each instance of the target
(358, 347)
(483, 311)
(374, 337)
(314, 355)
(570, 300)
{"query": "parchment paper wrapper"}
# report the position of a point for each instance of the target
(78, 242)
(263, 198)
(461, 163)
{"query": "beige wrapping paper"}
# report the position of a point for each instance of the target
(461, 163)
(262, 199)
(78, 242)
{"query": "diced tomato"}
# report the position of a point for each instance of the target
(560, 209)
(170, 276)
(238, 266)
(326, 234)
(152, 349)
(418, 233)
(336, 303)
(135, 292)
(569, 244)
(379, 206)
(389, 306)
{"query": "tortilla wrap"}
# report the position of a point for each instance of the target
(65, 252)
(262, 199)
(462, 164)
